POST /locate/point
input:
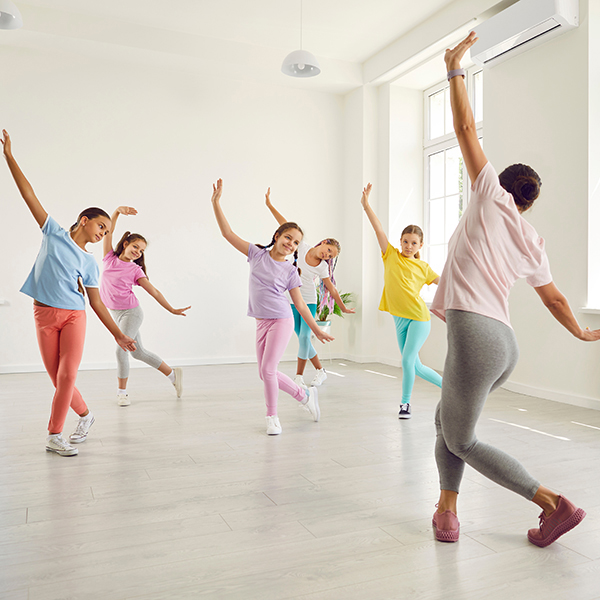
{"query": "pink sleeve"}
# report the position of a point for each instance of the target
(542, 276)
(139, 274)
(487, 185)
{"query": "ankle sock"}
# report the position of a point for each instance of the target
(121, 392)
(171, 376)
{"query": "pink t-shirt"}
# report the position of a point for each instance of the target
(118, 279)
(492, 247)
(269, 280)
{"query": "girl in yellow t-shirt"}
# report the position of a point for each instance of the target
(404, 276)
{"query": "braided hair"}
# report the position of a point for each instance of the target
(279, 231)
(132, 237)
(326, 298)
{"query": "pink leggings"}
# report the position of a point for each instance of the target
(272, 337)
(60, 335)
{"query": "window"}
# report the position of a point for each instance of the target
(446, 180)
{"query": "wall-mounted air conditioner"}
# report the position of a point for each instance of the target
(522, 26)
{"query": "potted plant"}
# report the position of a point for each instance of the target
(326, 307)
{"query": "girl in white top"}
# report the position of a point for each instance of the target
(315, 263)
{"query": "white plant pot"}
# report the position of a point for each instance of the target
(324, 326)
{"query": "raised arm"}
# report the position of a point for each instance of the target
(304, 311)
(555, 301)
(278, 216)
(464, 121)
(98, 307)
(144, 282)
(382, 238)
(34, 205)
(108, 238)
(336, 296)
(235, 240)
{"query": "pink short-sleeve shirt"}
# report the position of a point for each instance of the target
(118, 279)
(492, 247)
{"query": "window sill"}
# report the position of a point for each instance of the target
(589, 311)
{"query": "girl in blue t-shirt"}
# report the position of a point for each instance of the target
(63, 268)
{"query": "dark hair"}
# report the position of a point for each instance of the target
(523, 183)
(282, 229)
(331, 263)
(129, 237)
(417, 231)
(91, 213)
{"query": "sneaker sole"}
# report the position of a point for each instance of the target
(62, 452)
(123, 402)
(81, 439)
(561, 529)
(404, 416)
(443, 535)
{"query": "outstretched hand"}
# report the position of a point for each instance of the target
(217, 191)
(127, 210)
(348, 311)
(6, 143)
(126, 343)
(181, 311)
(453, 56)
(590, 335)
(323, 337)
(365, 195)
(268, 197)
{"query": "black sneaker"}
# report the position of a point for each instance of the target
(404, 411)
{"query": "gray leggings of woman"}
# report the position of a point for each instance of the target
(482, 353)
(129, 322)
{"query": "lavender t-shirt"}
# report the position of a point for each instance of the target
(118, 279)
(492, 247)
(269, 280)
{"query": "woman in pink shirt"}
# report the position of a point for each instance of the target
(271, 275)
(124, 267)
(492, 247)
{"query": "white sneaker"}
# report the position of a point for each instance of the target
(178, 371)
(82, 429)
(123, 400)
(299, 380)
(273, 425)
(319, 377)
(57, 443)
(312, 404)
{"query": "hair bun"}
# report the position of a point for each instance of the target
(526, 189)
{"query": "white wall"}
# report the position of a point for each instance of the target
(89, 131)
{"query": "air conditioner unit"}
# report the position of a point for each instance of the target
(522, 26)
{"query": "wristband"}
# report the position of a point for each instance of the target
(455, 73)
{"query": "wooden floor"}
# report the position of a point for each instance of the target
(185, 499)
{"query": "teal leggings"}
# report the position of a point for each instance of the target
(306, 350)
(411, 337)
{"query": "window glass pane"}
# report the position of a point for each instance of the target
(436, 115)
(449, 123)
(453, 171)
(436, 175)
(437, 258)
(452, 215)
(478, 96)
(436, 221)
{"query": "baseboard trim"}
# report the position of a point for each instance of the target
(564, 398)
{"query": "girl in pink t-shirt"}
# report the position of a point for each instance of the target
(125, 267)
(271, 275)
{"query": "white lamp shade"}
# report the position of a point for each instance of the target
(300, 63)
(10, 17)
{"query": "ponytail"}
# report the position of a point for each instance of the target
(282, 229)
(131, 237)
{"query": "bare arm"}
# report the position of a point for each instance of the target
(144, 282)
(304, 311)
(34, 205)
(278, 216)
(98, 307)
(382, 238)
(555, 301)
(336, 296)
(436, 280)
(107, 244)
(235, 240)
(464, 122)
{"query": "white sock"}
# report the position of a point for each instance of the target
(303, 402)
(122, 392)
(88, 416)
(171, 376)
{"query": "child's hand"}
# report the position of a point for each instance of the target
(126, 210)
(217, 191)
(126, 342)
(323, 337)
(6, 143)
(181, 311)
(348, 311)
(268, 197)
(365, 195)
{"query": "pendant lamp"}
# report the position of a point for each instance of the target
(10, 17)
(300, 63)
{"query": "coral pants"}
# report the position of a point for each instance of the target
(61, 334)
(272, 337)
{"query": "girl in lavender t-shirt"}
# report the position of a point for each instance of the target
(125, 267)
(271, 275)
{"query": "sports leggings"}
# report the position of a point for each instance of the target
(272, 338)
(482, 353)
(411, 337)
(61, 335)
(129, 322)
(306, 350)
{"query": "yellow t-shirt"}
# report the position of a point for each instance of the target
(403, 279)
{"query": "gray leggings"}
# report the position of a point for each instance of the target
(129, 322)
(482, 353)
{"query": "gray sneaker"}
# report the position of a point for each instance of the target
(57, 443)
(404, 411)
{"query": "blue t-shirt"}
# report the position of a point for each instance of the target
(57, 269)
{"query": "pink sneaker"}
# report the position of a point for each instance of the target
(446, 526)
(563, 519)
